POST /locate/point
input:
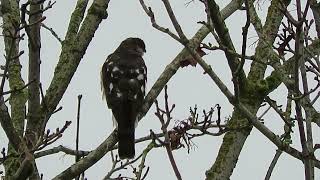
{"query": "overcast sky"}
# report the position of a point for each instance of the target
(187, 88)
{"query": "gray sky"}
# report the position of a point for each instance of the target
(187, 88)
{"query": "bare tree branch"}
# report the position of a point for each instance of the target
(8, 127)
(61, 149)
(164, 127)
(76, 42)
(52, 32)
(273, 164)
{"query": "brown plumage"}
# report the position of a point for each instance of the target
(123, 79)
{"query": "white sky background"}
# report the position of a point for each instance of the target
(187, 88)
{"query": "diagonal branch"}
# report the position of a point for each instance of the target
(73, 49)
(174, 21)
(222, 31)
(8, 127)
(173, 67)
(52, 32)
(273, 164)
(267, 35)
(150, 13)
(238, 75)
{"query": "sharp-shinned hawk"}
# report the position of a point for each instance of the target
(123, 78)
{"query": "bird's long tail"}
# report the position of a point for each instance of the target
(126, 144)
(126, 128)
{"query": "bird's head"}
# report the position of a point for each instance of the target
(133, 46)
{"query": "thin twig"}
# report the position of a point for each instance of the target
(48, 138)
(150, 13)
(115, 162)
(77, 157)
(17, 89)
(164, 125)
(273, 104)
(52, 32)
(308, 165)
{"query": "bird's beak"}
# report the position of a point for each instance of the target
(141, 50)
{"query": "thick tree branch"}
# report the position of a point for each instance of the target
(266, 37)
(86, 162)
(76, 19)
(73, 49)
(34, 46)
(25, 169)
(238, 75)
(224, 36)
(11, 23)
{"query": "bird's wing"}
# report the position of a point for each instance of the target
(108, 79)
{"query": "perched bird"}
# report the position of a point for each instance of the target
(123, 80)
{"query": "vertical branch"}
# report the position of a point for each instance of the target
(7, 126)
(34, 45)
(78, 130)
(164, 127)
(243, 52)
(308, 121)
(309, 170)
(8, 59)
(11, 23)
(244, 38)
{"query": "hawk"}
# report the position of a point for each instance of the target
(123, 79)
